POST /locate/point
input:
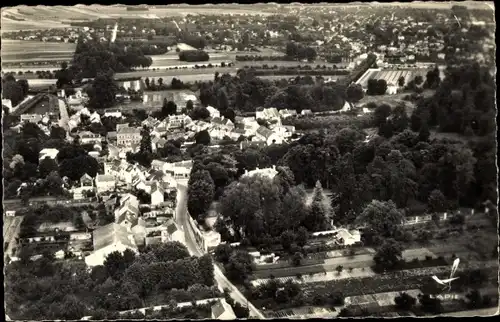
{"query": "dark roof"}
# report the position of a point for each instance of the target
(264, 131)
(218, 309)
(172, 228)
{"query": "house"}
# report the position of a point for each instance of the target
(247, 144)
(157, 194)
(113, 113)
(127, 136)
(86, 184)
(222, 311)
(104, 183)
(306, 112)
(348, 237)
(268, 136)
(108, 239)
(172, 233)
(267, 172)
(150, 122)
(48, 153)
(176, 121)
(33, 118)
(268, 114)
(87, 137)
(222, 124)
(288, 113)
(157, 164)
(95, 118)
(139, 231)
(157, 143)
(213, 111)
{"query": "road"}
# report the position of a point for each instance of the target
(63, 115)
(222, 281)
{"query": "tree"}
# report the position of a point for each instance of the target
(437, 201)
(170, 251)
(404, 301)
(201, 190)
(318, 213)
(381, 220)
(430, 304)
(169, 109)
(102, 93)
(199, 113)
(223, 252)
(57, 132)
(389, 255)
(418, 80)
(202, 137)
(240, 312)
(474, 299)
(75, 168)
(339, 269)
(296, 210)
(382, 112)
(239, 266)
(46, 166)
(189, 105)
(287, 238)
(206, 269)
(301, 236)
(401, 81)
(297, 258)
(115, 264)
(145, 146)
(354, 93)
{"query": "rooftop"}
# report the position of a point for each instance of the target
(110, 234)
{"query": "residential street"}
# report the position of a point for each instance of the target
(222, 281)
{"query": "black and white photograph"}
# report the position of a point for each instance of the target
(249, 161)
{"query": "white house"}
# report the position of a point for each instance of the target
(268, 136)
(113, 113)
(268, 114)
(267, 172)
(108, 239)
(48, 153)
(104, 183)
(213, 111)
(86, 184)
(222, 311)
(87, 137)
(348, 237)
(157, 194)
(172, 233)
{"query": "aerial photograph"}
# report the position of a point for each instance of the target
(249, 161)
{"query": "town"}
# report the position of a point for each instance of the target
(229, 162)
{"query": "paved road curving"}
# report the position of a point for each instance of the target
(222, 281)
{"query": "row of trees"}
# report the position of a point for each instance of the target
(54, 290)
(193, 56)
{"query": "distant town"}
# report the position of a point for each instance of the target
(230, 162)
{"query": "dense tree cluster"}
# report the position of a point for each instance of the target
(376, 87)
(193, 55)
(246, 93)
(52, 290)
(14, 90)
(93, 57)
(300, 52)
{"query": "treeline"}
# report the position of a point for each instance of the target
(193, 55)
(52, 290)
(93, 58)
(150, 47)
(306, 67)
(262, 58)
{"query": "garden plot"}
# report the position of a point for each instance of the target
(419, 253)
(353, 261)
(382, 299)
(391, 76)
(322, 277)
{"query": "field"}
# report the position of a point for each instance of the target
(391, 76)
(43, 17)
(20, 50)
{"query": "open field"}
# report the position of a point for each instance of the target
(25, 50)
(44, 17)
